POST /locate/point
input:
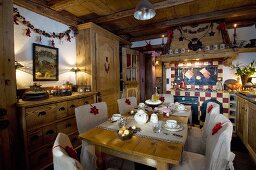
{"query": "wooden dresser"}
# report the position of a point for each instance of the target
(40, 122)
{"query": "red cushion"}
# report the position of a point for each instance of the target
(71, 152)
(210, 108)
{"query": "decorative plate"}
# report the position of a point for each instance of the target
(179, 127)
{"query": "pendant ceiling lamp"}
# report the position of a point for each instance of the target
(144, 10)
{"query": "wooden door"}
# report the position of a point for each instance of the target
(240, 116)
(130, 71)
(8, 145)
(107, 70)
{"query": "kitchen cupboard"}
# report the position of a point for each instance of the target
(98, 58)
(246, 126)
(41, 121)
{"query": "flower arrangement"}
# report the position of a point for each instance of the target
(245, 71)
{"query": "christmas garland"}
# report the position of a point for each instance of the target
(17, 18)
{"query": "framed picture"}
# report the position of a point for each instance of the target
(45, 63)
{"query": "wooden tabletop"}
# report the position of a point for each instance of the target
(147, 151)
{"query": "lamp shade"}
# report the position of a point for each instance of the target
(75, 69)
(144, 10)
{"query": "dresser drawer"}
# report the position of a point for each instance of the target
(41, 158)
(72, 104)
(88, 100)
(37, 116)
(62, 110)
(35, 140)
(49, 133)
(75, 140)
(67, 126)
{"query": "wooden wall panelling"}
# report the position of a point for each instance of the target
(251, 145)
(8, 135)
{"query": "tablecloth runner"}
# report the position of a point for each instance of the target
(147, 130)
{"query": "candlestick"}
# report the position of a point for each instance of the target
(234, 43)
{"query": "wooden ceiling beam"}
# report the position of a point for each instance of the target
(60, 5)
(130, 12)
(41, 9)
(236, 12)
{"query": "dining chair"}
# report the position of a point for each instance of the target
(61, 159)
(218, 155)
(167, 98)
(126, 104)
(87, 117)
(196, 140)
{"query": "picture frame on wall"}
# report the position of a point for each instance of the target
(45, 63)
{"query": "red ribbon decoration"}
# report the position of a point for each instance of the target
(127, 101)
(216, 128)
(162, 99)
(94, 110)
(210, 108)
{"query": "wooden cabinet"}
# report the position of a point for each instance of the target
(41, 121)
(241, 118)
(251, 144)
(98, 54)
(246, 124)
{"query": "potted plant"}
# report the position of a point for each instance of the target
(245, 71)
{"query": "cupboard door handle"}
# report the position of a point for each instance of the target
(34, 138)
(42, 113)
(68, 125)
(72, 106)
(50, 132)
(62, 109)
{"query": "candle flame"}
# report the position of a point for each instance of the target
(235, 25)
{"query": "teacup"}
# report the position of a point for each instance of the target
(170, 51)
(115, 117)
(207, 47)
(141, 104)
(222, 46)
(171, 123)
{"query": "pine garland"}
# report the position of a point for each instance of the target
(17, 18)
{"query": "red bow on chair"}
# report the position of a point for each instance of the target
(94, 110)
(127, 101)
(162, 99)
(216, 128)
(210, 108)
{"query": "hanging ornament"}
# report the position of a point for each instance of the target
(39, 39)
(148, 46)
(181, 36)
(52, 43)
(211, 33)
(195, 44)
(107, 65)
(68, 37)
(28, 32)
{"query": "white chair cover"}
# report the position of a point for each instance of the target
(61, 160)
(196, 140)
(168, 98)
(85, 121)
(218, 155)
(124, 107)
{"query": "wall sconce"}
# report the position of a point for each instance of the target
(18, 65)
(75, 69)
(157, 63)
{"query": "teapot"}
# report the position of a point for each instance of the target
(141, 116)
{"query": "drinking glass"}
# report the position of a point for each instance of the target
(121, 122)
(156, 127)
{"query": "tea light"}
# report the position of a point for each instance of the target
(132, 112)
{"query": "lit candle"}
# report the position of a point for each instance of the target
(163, 39)
(235, 25)
(132, 112)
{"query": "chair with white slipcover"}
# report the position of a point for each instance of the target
(196, 140)
(87, 119)
(126, 104)
(61, 159)
(168, 98)
(218, 155)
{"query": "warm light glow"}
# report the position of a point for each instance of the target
(157, 63)
(162, 35)
(235, 25)
(197, 59)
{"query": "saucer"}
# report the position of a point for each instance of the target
(176, 129)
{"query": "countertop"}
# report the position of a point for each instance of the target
(247, 96)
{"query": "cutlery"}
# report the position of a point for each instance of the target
(174, 134)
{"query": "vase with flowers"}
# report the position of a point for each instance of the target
(245, 71)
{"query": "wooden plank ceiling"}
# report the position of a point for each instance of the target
(117, 15)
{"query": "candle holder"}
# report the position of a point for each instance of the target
(235, 36)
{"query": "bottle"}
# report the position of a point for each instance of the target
(155, 96)
(219, 86)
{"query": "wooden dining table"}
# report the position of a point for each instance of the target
(148, 151)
